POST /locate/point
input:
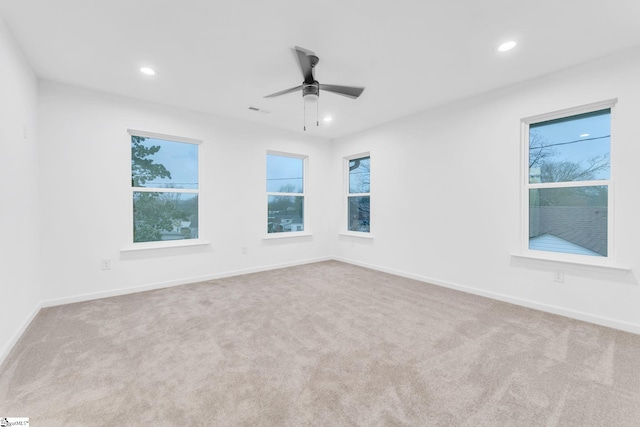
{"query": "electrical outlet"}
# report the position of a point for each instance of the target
(105, 264)
(558, 277)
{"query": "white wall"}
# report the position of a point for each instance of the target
(85, 187)
(19, 241)
(446, 195)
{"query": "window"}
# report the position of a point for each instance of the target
(164, 187)
(568, 182)
(358, 194)
(285, 193)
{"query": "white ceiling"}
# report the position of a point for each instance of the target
(221, 57)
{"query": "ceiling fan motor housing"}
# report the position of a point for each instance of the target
(311, 90)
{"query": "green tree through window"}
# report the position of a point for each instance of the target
(143, 167)
(165, 204)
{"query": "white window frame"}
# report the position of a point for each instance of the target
(132, 246)
(305, 202)
(347, 195)
(526, 186)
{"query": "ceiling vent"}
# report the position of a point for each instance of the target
(258, 109)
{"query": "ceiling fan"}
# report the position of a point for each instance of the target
(310, 87)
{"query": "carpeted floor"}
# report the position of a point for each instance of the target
(321, 344)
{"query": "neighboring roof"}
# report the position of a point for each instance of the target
(549, 242)
(294, 218)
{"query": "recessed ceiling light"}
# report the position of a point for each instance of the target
(507, 46)
(148, 71)
(584, 135)
(327, 119)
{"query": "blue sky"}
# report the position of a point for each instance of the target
(181, 159)
(592, 134)
(282, 171)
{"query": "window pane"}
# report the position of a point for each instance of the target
(570, 220)
(160, 216)
(284, 174)
(285, 213)
(359, 173)
(158, 163)
(573, 148)
(359, 213)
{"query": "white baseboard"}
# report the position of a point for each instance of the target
(170, 283)
(8, 346)
(573, 314)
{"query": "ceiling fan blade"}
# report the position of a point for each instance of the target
(282, 92)
(348, 91)
(304, 60)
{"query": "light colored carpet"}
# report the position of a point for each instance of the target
(321, 344)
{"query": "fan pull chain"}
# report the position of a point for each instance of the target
(304, 119)
(317, 109)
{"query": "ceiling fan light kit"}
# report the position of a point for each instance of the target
(311, 91)
(310, 87)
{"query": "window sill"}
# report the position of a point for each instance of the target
(288, 234)
(359, 234)
(150, 246)
(576, 263)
